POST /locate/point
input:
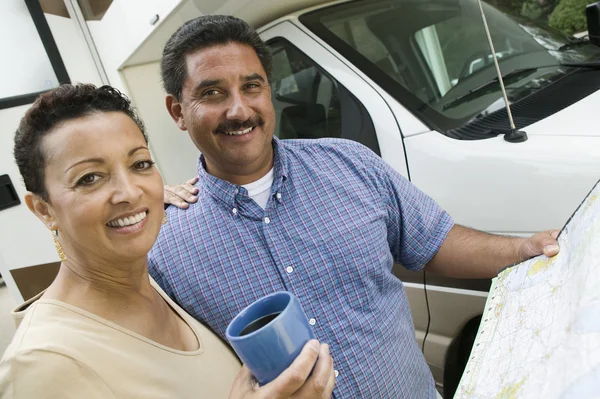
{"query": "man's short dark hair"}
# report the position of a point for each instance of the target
(64, 103)
(204, 32)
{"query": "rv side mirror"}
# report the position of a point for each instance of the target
(592, 13)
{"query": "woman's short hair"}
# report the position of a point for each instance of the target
(64, 103)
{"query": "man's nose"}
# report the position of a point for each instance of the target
(239, 108)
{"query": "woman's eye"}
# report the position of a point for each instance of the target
(143, 165)
(88, 179)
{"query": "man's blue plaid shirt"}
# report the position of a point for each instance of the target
(336, 221)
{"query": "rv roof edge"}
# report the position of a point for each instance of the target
(256, 13)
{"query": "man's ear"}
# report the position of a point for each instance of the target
(41, 209)
(174, 108)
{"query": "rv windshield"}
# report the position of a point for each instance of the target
(429, 53)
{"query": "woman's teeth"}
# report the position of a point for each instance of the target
(128, 221)
(240, 132)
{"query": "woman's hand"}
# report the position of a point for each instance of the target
(182, 195)
(294, 382)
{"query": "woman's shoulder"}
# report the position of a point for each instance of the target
(54, 327)
(55, 352)
(34, 372)
(46, 356)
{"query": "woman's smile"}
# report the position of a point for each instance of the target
(132, 222)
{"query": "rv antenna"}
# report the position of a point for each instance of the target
(514, 136)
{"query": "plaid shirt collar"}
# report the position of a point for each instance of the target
(225, 192)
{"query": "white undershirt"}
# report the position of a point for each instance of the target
(259, 190)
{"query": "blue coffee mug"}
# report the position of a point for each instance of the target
(269, 334)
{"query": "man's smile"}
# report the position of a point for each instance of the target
(239, 132)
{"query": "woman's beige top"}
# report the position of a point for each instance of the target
(61, 351)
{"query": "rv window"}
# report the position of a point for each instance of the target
(310, 104)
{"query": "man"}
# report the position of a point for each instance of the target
(324, 219)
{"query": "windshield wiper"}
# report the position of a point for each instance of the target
(574, 43)
(514, 75)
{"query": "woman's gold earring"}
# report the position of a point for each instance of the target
(59, 249)
(164, 219)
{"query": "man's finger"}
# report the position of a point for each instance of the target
(551, 250)
(170, 190)
(318, 383)
(554, 233)
(173, 199)
(294, 376)
(184, 194)
(549, 243)
(192, 181)
(179, 203)
(190, 188)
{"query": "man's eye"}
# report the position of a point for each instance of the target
(211, 93)
(143, 165)
(252, 86)
(87, 180)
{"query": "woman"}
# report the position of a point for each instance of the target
(103, 329)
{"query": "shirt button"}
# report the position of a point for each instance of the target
(336, 373)
(267, 220)
(234, 211)
(237, 190)
(289, 269)
(278, 196)
(312, 322)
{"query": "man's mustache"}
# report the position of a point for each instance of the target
(235, 126)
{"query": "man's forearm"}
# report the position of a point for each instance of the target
(468, 253)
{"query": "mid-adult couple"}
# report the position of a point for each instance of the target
(324, 219)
